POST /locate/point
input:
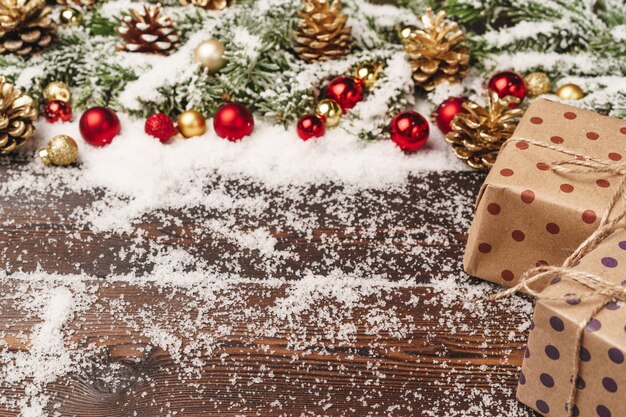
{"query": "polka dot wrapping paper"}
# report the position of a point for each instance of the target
(547, 374)
(529, 215)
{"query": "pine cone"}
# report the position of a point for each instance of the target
(82, 4)
(321, 32)
(436, 53)
(208, 4)
(25, 26)
(17, 114)
(148, 32)
(477, 136)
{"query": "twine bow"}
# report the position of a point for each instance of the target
(596, 284)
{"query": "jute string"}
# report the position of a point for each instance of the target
(539, 277)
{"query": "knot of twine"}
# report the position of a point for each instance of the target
(543, 275)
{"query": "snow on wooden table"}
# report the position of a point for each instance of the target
(292, 300)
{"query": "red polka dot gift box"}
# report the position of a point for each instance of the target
(575, 360)
(547, 192)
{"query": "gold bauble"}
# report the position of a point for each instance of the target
(57, 91)
(368, 72)
(210, 54)
(71, 17)
(537, 83)
(404, 32)
(570, 92)
(330, 110)
(191, 123)
(61, 151)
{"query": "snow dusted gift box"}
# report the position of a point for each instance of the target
(530, 214)
(577, 344)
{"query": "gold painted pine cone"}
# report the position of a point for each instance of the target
(25, 26)
(81, 4)
(436, 52)
(17, 115)
(148, 32)
(208, 4)
(322, 33)
(477, 136)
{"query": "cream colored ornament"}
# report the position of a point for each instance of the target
(61, 151)
(570, 91)
(57, 91)
(210, 54)
(191, 123)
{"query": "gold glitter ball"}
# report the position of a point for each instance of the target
(570, 91)
(210, 54)
(191, 123)
(368, 72)
(71, 17)
(537, 83)
(57, 91)
(330, 110)
(61, 151)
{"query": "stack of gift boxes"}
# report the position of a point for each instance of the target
(530, 214)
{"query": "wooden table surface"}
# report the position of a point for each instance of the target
(447, 364)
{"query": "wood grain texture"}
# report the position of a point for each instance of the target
(376, 374)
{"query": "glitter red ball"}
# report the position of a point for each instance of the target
(160, 126)
(99, 125)
(508, 83)
(409, 130)
(233, 121)
(446, 111)
(57, 111)
(346, 91)
(311, 126)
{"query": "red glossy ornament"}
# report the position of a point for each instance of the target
(311, 126)
(347, 91)
(233, 121)
(99, 125)
(161, 126)
(57, 111)
(409, 130)
(446, 111)
(508, 83)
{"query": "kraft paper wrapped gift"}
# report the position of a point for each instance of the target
(551, 359)
(527, 214)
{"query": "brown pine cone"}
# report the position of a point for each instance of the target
(148, 32)
(477, 136)
(25, 26)
(208, 4)
(436, 52)
(322, 33)
(17, 115)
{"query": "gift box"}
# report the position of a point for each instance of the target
(527, 213)
(579, 337)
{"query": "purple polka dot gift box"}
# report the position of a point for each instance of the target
(575, 364)
(536, 205)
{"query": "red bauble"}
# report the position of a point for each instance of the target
(346, 91)
(311, 126)
(161, 126)
(508, 83)
(409, 130)
(233, 121)
(57, 111)
(446, 111)
(99, 125)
